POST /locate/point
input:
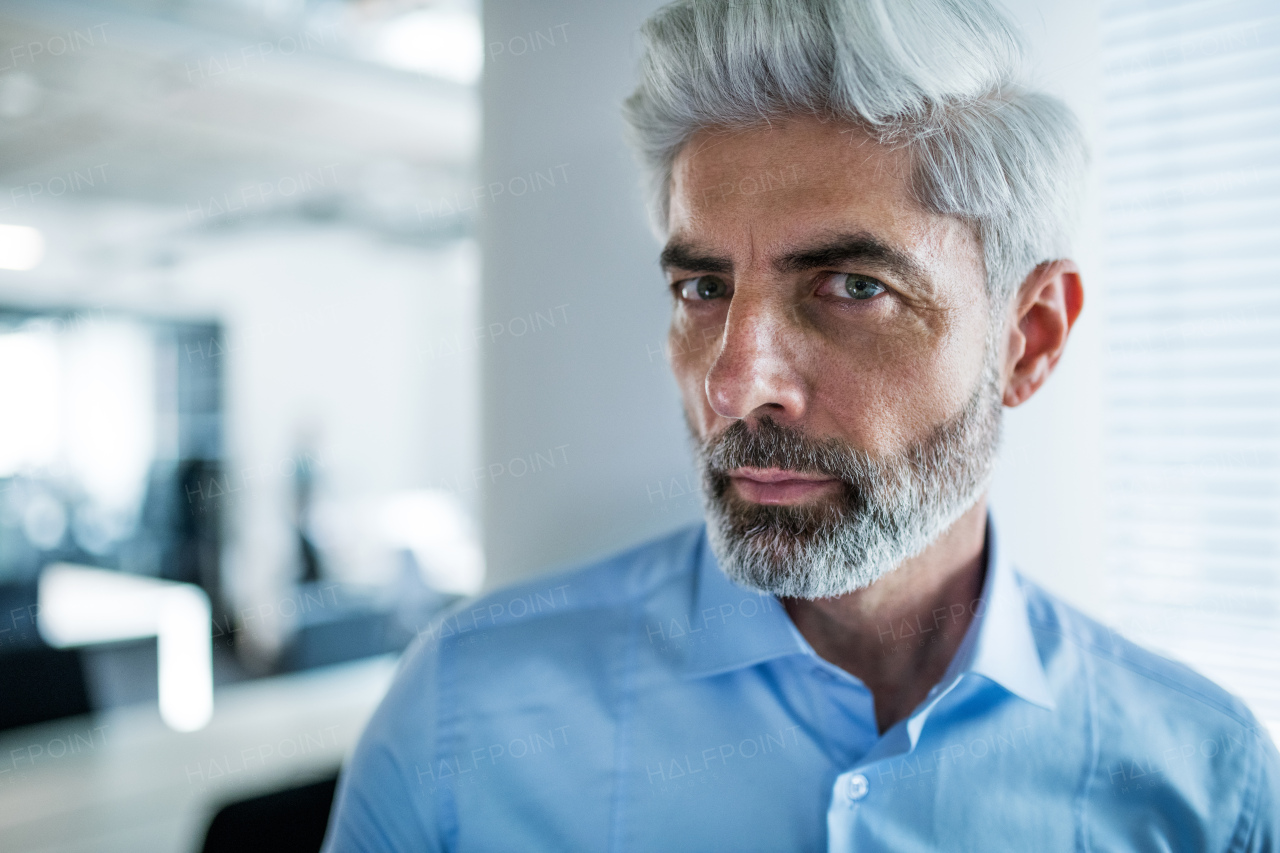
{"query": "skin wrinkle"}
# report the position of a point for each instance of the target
(903, 386)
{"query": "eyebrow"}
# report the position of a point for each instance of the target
(678, 255)
(843, 248)
(829, 252)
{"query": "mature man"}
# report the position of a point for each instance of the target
(841, 658)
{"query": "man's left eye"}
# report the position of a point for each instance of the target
(851, 286)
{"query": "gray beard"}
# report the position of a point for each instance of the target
(890, 509)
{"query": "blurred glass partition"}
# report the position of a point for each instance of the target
(110, 426)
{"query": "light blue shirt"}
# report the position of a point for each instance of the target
(646, 703)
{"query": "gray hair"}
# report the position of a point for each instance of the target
(939, 77)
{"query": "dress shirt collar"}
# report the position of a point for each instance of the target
(744, 628)
(998, 644)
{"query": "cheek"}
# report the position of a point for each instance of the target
(888, 387)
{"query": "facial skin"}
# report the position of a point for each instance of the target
(811, 290)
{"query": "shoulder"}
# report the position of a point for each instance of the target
(621, 580)
(1159, 732)
(560, 617)
(566, 601)
(1117, 664)
(532, 660)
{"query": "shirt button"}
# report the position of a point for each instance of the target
(856, 787)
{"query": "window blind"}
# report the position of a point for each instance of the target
(1190, 171)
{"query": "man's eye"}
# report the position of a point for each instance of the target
(852, 286)
(702, 288)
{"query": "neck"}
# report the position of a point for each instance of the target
(899, 634)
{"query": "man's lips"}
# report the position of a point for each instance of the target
(780, 486)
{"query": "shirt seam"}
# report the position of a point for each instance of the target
(622, 742)
(1090, 769)
(446, 732)
(1246, 828)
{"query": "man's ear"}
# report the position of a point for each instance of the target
(1045, 309)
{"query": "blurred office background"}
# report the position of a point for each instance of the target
(317, 315)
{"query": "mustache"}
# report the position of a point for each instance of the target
(769, 444)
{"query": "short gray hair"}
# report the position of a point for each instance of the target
(940, 77)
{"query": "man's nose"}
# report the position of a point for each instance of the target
(756, 369)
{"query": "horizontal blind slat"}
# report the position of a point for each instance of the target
(1190, 169)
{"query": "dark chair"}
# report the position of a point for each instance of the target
(291, 821)
(38, 683)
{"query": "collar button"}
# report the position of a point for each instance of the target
(856, 787)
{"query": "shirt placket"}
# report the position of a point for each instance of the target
(854, 791)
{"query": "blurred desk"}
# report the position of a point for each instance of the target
(123, 781)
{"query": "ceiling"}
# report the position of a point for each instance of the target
(283, 108)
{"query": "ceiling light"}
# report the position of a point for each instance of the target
(21, 247)
(436, 42)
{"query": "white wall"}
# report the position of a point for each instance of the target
(598, 386)
(1048, 490)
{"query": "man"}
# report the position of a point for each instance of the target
(842, 658)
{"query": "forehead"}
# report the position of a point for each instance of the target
(760, 192)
